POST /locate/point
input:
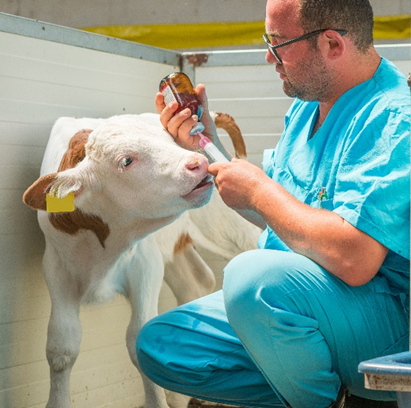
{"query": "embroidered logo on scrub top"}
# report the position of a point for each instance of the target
(323, 195)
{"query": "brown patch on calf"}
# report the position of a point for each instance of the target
(76, 151)
(184, 240)
(227, 122)
(73, 222)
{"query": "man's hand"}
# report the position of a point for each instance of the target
(180, 124)
(237, 181)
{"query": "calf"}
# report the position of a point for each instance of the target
(129, 179)
(215, 228)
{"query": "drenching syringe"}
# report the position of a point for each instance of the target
(210, 148)
(178, 87)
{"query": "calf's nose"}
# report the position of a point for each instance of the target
(197, 164)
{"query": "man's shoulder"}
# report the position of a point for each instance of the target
(385, 93)
(392, 83)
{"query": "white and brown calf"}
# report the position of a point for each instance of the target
(129, 179)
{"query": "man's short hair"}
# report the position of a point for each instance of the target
(355, 16)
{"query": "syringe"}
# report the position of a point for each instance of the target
(211, 149)
(207, 145)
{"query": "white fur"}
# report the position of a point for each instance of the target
(134, 201)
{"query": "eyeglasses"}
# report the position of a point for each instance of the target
(273, 48)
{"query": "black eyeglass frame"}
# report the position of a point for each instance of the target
(273, 48)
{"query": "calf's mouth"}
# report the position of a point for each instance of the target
(205, 183)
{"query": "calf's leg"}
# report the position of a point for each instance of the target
(188, 276)
(63, 345)
(144, 272)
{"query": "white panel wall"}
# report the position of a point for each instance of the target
(40, 81)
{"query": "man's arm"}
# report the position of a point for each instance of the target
(321, 235)
(253, 217)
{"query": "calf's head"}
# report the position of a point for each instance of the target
(123, 170)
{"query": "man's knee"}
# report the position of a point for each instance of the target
(254, 276)
(252, 270)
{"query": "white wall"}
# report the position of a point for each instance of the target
(86, 13)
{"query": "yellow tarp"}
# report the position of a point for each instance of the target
(178, 36)
(392, 27)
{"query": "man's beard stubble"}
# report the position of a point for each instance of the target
(313, 81)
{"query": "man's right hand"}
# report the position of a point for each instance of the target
(177, 124)
(180, 124)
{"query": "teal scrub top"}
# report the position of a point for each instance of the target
(356, 165)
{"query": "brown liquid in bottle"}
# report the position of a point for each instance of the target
(178, 87)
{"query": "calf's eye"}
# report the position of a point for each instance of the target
(125, 161)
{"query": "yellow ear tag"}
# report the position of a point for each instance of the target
(60, 205)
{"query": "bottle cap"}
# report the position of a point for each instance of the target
(199, 127)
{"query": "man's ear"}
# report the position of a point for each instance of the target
(335, 44)
(56, 184)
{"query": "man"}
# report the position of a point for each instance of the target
(329, 286)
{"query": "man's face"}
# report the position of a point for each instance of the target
(303, 69)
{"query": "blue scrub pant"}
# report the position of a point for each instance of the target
(282, 330)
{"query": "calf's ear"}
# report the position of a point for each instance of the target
(56, 184)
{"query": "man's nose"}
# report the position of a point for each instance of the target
(269, 57)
